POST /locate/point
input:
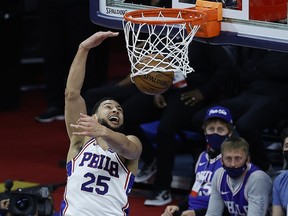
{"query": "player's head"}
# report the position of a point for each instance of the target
(235, 156)
(217, 126)
(109, 113)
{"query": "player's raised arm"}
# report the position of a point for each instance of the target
(74, 103)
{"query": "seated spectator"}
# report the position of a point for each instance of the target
(217, 126)
(280, 185)
(261, 102)
(239, 185)
(214, 68)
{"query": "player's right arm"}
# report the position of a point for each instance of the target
(74, 103)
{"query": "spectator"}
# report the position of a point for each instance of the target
(217, 126)
(104, 160)
(214, 68)
(261, 102)
(64, 24)
(239, 185)
(280, 184)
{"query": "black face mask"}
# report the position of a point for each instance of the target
(235, 172)
(215, 140)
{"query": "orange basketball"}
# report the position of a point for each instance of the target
(155, 82)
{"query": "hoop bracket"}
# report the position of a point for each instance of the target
(212, 27)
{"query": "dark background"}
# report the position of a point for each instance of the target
(21, 56)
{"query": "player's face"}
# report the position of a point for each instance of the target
(234, 158)
(216, 127)
(110, 114)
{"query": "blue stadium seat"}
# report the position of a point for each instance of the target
(150, 130)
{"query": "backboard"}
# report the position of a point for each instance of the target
(109, 13)
(253, 23)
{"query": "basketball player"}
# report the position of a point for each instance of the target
(102, 162)
(217, 126)
(239, 185)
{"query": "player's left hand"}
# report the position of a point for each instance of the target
(88, 126)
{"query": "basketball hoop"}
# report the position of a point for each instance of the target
(169, 33)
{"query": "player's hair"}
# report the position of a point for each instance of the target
(227, 124)
(96, 106)
(233, 143)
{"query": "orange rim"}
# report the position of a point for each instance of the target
(188, 16)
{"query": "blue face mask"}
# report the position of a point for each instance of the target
(235, 172)
(215, 140)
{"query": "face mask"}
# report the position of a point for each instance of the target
(215, 140)
(235, 172)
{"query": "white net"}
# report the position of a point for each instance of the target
(162, 47)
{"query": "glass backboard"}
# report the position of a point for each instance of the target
(252, 23)
(109, 13)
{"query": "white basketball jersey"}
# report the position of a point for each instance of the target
(98, 183)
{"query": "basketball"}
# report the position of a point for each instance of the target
(155, 82)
